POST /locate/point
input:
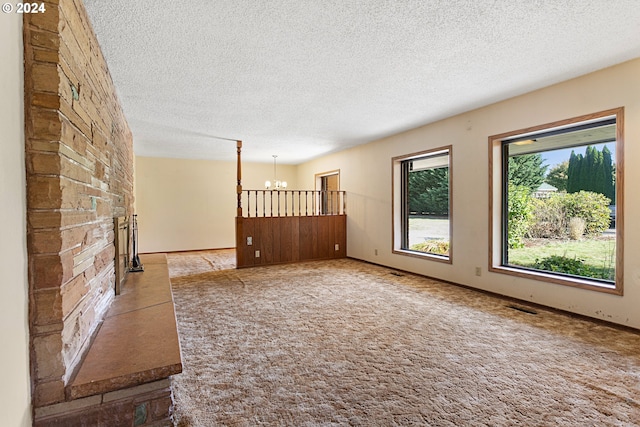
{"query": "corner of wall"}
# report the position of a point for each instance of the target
(14, 334)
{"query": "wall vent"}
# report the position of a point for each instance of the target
(523, 309)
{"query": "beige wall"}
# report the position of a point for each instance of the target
(366, 176)
(191, 204)
(14, 332)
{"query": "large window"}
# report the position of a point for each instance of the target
(557, 202)
(422, 194)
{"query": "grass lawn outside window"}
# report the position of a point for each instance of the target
(597, 254)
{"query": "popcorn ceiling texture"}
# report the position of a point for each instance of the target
(301, 78)
(342, 342)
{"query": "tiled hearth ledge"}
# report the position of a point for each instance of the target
(123, 378)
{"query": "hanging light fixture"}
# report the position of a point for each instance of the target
(278, 185)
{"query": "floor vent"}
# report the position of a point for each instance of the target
(523, 309)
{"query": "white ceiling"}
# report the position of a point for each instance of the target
(302, 78)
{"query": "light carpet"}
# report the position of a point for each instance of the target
(343, 342)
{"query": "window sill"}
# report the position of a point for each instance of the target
(592, 285)
(423, 255)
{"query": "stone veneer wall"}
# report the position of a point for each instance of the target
(79, 161)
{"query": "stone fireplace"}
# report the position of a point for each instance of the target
(79, 162)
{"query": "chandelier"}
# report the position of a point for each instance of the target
(276, 183)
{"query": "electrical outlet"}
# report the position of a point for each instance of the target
(337, 247)
(375, 251)
(257, 254)
(249, 241)
(478, 271)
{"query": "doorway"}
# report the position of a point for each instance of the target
(328, 184)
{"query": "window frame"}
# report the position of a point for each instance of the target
(497, 198)
(399, 187)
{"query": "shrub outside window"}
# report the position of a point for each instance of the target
(558, 217)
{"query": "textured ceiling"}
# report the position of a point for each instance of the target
(301, 78)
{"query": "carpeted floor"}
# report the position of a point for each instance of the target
(348, 343)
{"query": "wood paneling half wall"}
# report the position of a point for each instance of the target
(279, 240)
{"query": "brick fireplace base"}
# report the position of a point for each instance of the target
(146, 405)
